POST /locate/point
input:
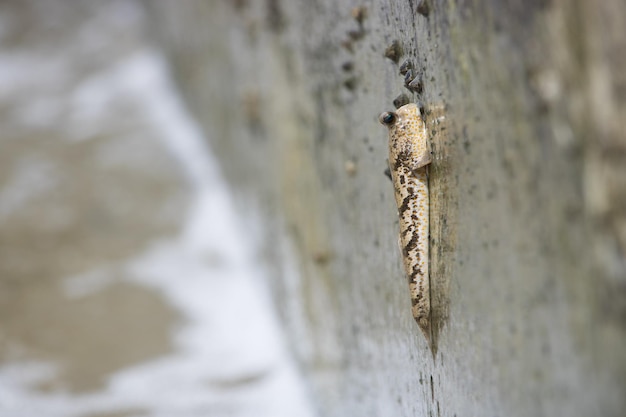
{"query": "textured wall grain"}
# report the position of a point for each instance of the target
(527, 192)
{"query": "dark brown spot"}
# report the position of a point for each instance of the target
(418, 298)
(405, 204)
(417, 271)
(402, 159)
(410, 245)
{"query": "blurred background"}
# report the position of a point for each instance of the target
(129, 285)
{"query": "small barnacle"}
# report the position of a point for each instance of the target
(413, 81)
(359, 14)
(387, 173)
(356, 35)
(406, 66)
(394, 51)
(347, 66)
(416, 85)
(401, 100)
(321, 257)
(350, 167)
(348, 45)
(424, 8)
(350, 83)
(408, 77)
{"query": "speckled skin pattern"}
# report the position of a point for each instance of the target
(409, 157)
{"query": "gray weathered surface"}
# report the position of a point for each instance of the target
(527, 185)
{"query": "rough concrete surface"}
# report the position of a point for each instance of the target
(527, 192)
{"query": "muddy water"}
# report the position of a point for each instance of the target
(125, 289)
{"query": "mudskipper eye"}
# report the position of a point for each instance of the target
(387, 118)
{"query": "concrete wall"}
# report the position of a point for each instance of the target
(527, 186)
